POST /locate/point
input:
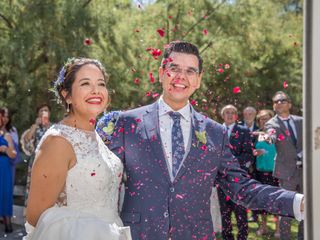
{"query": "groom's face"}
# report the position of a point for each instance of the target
(180, 78)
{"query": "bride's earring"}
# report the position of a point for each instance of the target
(68, 107)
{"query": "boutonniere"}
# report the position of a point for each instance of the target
(201, 136)
(106, 125)
(109, 128)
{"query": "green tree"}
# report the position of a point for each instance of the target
(250, 44)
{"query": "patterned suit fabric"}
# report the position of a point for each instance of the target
(157, 208)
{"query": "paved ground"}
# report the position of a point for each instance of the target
(18, 233)
(18, 225)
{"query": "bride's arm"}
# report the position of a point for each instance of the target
(52, 162)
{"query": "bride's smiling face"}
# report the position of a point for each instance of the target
(89, 95)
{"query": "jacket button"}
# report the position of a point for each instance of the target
(172, 189)
(166, 214)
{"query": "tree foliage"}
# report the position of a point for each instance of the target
(250, 44)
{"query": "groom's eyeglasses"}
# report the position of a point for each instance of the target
(189, 72)
(281, 101)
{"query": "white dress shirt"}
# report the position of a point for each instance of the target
(165, 125)
(229, 128)
(293, 126)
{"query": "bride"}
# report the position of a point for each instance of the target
(75, 178)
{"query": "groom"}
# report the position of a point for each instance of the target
(173, 155)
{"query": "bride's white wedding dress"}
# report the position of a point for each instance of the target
(88, 206)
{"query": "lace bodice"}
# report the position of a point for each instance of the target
(93, 183)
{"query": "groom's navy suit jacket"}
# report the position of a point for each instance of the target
(157, 208)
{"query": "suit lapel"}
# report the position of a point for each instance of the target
(195, 148)
(298, 126)
(285, 130)
(151, 124)
(283, 127)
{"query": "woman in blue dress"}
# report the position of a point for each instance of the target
(7, 153)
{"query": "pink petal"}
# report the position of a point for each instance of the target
(151, 77)
(136, 81)
(221, 70)
(155, 95)
(92, 121)
(236, 90)
(193, 102)
(87, 41)
(281, 137)
(161, 32)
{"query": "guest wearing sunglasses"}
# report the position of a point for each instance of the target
(285, 131)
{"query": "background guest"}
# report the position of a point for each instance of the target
(15, 137)
(241, 148)
(31, 138)
(7, 153)
(249, 117)
(285, 131)
(265, 155)
(249, 121)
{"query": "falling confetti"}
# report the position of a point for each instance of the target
(156, 53)
(204, 147)
(136, 81)
(92, 121)
(151, 78)
(236, 90)
(193, 102)
(285, 84)
(161, 32)
(155, 95)
(220, 70)
(87, 41)
(281, 137)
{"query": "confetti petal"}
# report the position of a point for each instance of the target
(87, 41)
(136, 81)
(236, 90)
(205, 31)
(193, 102)
(161, 32)
(92, 121)
(220, 70)
(281, 137)
(151, 78)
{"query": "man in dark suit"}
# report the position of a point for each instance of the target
(249, 121)
(285, 131)
(249, 118)
(174, 155)
(241, 148)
